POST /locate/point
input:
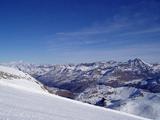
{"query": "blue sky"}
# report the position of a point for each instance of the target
(73, 31)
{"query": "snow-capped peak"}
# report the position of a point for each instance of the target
(138, 63)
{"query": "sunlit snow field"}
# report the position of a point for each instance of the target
(19, 104)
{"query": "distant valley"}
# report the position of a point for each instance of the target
(132, 86)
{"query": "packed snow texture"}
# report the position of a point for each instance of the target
(19, 104)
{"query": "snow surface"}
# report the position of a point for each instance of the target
(127, 99)
(20, 104)
(131, 100)
(18, 79)
(12, 71)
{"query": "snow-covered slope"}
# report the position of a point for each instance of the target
(20, 104)
(126, 99)
(132, 86)
(16, 78)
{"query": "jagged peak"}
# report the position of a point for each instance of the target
(137, 62)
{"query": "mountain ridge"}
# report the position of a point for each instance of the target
(104, 84)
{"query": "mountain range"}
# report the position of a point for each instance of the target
(24, 98)
(132, 86)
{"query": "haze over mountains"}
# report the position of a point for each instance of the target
(131, 86)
